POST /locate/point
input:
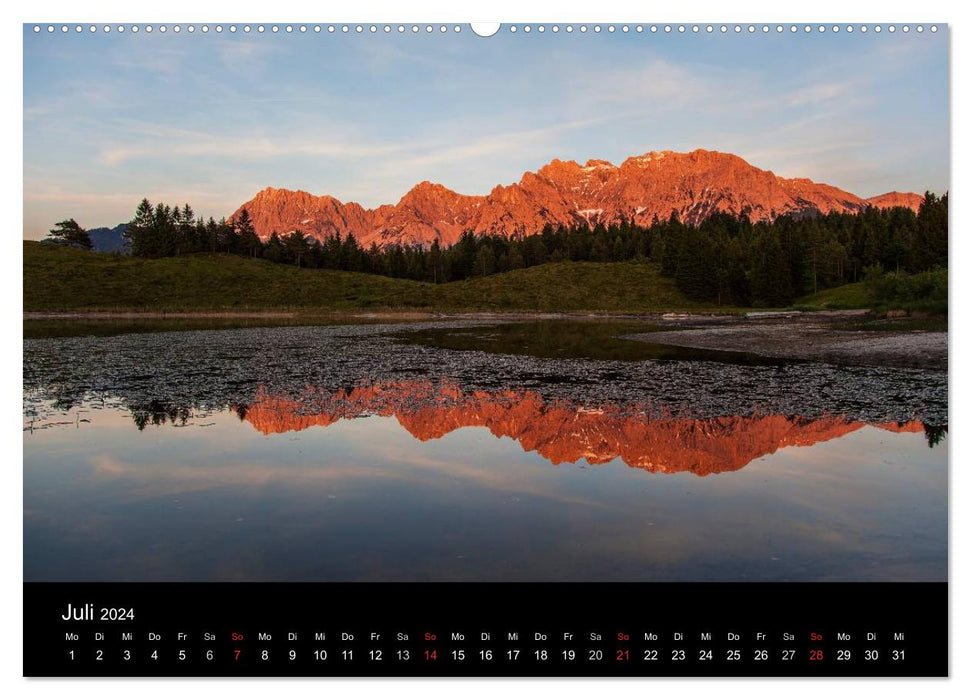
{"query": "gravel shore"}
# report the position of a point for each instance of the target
(810, 337)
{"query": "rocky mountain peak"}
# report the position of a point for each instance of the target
(696, 184)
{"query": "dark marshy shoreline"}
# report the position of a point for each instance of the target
(836, 337)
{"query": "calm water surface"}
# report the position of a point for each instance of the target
(398, 453)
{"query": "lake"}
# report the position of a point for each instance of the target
(448, 451)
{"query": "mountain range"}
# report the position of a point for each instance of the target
(108, 240)
(695, 185)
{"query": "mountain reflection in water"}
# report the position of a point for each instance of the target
(558, 431)
(349, 454)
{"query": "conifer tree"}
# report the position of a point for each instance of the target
(249, 242)
(69, 232)
(139, 230)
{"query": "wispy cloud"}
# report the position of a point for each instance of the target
(245, 148)
(655, 83)
(246, 57)
(159, 61)
(158, 142)
(816, 94)
(450, 151)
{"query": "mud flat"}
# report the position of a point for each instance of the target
(836, 338)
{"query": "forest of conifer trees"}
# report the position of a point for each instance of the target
(725, 260)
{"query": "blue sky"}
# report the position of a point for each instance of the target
(211, 119)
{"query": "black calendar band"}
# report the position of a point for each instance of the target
(478, 629)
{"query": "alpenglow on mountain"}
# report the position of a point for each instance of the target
(695, 185)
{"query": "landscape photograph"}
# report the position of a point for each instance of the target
(403, 303)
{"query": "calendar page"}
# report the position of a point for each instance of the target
(424, 349)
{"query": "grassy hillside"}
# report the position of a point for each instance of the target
(60, 279)
(923, 292)
(847, 296)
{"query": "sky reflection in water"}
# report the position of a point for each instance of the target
(368, 498)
